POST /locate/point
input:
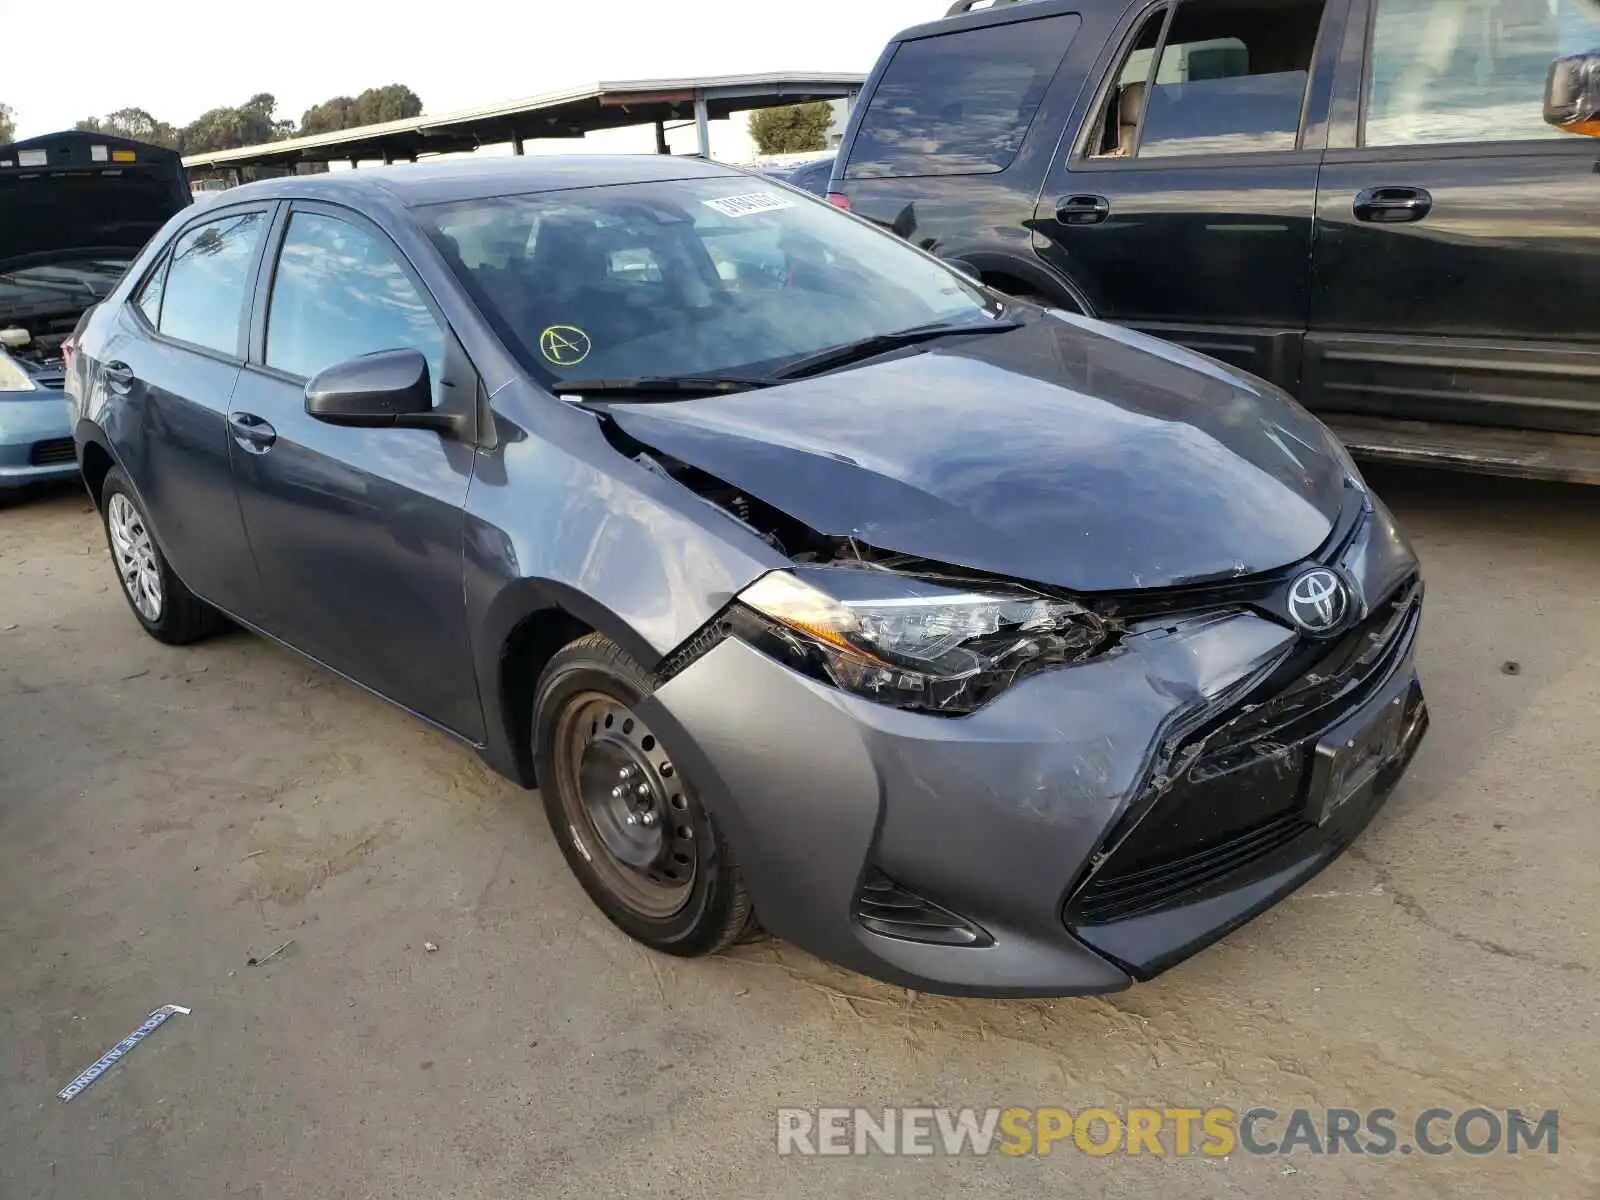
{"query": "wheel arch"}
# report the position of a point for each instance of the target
(529, 622)
(1014, 273)
(95, 458)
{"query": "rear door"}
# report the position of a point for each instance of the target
(169, 366)
(1458, 253)
(357, 533)
(1182, 200)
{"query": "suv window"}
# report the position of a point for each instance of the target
(339, 292)
(1469, 70)
(1228, 78)
(959, 103)
(203, 301)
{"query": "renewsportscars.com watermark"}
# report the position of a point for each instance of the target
(1165, 1131)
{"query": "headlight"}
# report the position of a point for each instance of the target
(12, 377)
(910, 642)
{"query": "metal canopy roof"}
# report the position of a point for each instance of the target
(566, 114)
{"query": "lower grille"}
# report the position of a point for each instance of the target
(1112, 897)
(52, 452)
(885, 907)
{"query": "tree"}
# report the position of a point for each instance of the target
(133, 123)
(253, 122)
(394, 102)
(8, 125)
(791, 129)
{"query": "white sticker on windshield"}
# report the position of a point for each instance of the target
(749, 204)
(32, 158)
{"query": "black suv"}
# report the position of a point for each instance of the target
(1358, 200)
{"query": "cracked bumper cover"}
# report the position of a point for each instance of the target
(998, 816)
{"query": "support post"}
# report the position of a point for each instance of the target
(702, 122)
(661, 138)
(388, 157)
(516, 143)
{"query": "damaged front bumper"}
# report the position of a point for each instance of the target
(1093, 825)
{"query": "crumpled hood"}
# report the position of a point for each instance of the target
(1068, 452)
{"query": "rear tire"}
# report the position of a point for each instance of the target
(627, 819)
(168, 611)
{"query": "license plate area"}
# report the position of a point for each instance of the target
(1349, 758)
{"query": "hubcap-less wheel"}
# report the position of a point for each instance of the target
(136, 556)
(625, 804)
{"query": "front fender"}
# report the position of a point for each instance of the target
(559, 520)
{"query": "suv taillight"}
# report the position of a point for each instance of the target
(839, 200)
(68, 346)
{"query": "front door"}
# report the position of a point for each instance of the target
(357, 533)
(1458, 251)
(1183, 204)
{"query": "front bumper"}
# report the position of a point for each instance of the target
(35, 438)
(1091, 826)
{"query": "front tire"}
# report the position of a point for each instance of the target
(168, 611)
(627, 819)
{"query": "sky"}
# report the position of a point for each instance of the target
(177, 58)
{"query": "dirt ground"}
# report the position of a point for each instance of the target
(165, 814)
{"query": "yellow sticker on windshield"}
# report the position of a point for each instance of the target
(565, 345)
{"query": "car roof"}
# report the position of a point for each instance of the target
(414, 184)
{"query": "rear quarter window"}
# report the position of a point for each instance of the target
(959, 103)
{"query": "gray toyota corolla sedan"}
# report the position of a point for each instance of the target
(978, 647)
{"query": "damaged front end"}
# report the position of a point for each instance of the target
(892, 628)
(1108, 782)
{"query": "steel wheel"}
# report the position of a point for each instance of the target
(625, 805)
(135, 557)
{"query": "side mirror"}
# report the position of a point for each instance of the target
(390, 389)
(1572, 94)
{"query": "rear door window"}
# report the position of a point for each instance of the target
(1229, 77)
(959, 103)
(1469, 70)
(204, 299)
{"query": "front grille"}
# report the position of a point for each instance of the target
(885, 907)
(51, 452)
(1112, 897)
(1239, 794)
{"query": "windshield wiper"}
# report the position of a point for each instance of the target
(850, 352)
(666, 387)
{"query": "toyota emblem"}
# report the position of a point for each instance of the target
(1318, 601)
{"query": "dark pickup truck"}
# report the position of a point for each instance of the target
(1367, 202)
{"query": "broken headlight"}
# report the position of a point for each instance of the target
(911, 642)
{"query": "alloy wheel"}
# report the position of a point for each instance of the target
(135, 556)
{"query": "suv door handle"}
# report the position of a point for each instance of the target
(119, 375)
(1392, 205)
(1082, 210)
(251, 432)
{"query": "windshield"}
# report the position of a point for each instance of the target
(721, 276)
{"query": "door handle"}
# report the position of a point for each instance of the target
(1392, 205)
(251, 432)
(1082, 210)
(119, 375)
